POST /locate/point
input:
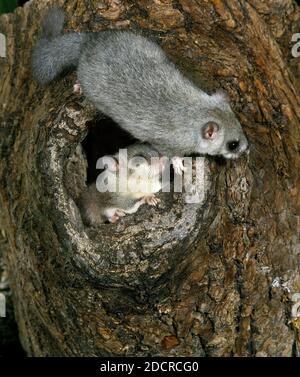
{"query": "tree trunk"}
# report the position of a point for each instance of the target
(218, 278)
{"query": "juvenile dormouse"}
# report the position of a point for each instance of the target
(143, 180)
(130, 79)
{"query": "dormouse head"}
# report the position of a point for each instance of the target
(146, 168)
(140, 160)
(220, 132)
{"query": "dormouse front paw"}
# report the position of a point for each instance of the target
(77, 88)
(151, 200)
(178, 165)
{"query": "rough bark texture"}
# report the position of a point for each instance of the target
(215, 279)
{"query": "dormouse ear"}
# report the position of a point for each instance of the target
(109, 163)
(221, 96)
(210, 130)
(113, 164)
(115, 167)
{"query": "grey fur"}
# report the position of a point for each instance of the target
(53, 22)
(130, 79)
(54, 52)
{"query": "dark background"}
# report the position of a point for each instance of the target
(9, 5)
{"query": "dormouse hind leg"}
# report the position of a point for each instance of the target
(120, 212)
(77, 88)
(113, 219)
(113, 215)
(151, 200)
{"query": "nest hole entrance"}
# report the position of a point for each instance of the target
(150, 242)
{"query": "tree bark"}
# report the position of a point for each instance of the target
(219, 278)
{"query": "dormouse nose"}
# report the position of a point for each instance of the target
(233, 145)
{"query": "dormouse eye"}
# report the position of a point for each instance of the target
(210, 130)
(233, 145)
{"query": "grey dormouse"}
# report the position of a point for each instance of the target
(130, 79)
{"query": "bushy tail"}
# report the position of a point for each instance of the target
(55, 52)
